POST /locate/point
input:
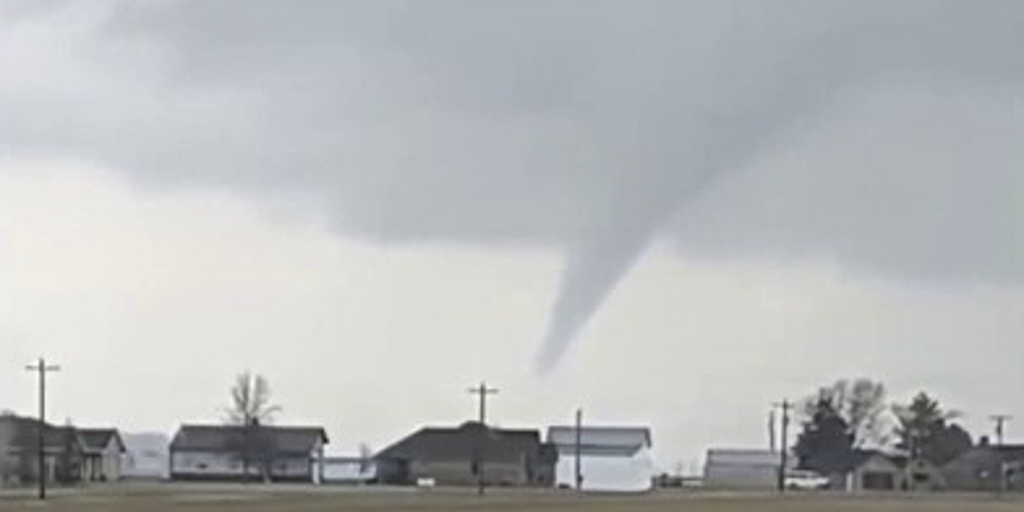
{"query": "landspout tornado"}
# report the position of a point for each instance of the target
(591, 272)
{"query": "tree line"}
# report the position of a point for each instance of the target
(853, 415)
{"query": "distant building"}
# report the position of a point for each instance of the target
(147, 457)
(740, 469)
(19, 464)
(235, 453)
(349, 470)
(875, 471)
(461, 456)
(987, 468)
(611, 459)
(102, 454)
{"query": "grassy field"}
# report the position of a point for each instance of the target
(255, 499)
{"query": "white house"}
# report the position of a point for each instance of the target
(233, 453)
(102, 454)
(739, 469)
(611, 459)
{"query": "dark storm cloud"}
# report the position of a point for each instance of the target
(590, 126)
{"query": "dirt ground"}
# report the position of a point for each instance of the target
(256, 499)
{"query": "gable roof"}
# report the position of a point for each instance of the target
(991, 455)
(98, 439)
(465, 443)
(229, 438)
(23, 434)
(841, 462)
(1009, 452)
(601, 440)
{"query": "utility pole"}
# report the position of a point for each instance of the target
(41, 368)
(483, 391)
(1000, 420)
(785, 406)
(578, 450)
(771, 431)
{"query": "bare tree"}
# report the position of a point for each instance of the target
(867, 410)
(251, 408)
(863, 406)
(251, 401)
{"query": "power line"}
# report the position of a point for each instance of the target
(41, 368)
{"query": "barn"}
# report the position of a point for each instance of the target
(611, 459)
(742, 469)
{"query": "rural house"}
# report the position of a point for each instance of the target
(462, 455)
(236, 453)
(613, 459)
(103, 451)
(19, 462)
(987, 468)
(871, 470)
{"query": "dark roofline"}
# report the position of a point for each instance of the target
(321, 432)
(25, 434)
(389, 452)
(199, 426)
(110, 433)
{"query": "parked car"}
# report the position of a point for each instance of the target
(801, 480)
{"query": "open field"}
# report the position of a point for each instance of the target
(232, 498)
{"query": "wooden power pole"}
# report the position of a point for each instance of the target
(41, 368)
(1000, 420)
(483, 392)
(578, 450)
(785, 407)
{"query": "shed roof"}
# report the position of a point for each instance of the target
(601, 440)
(23, 434)
(227, 438)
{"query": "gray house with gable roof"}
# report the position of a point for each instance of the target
(235, 453)
(460, 456)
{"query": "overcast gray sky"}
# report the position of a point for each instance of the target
(681, 210)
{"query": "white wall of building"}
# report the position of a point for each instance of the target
(208, 464)
(146, 456)
(343, 471)
(229, 465)
(608, 473)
